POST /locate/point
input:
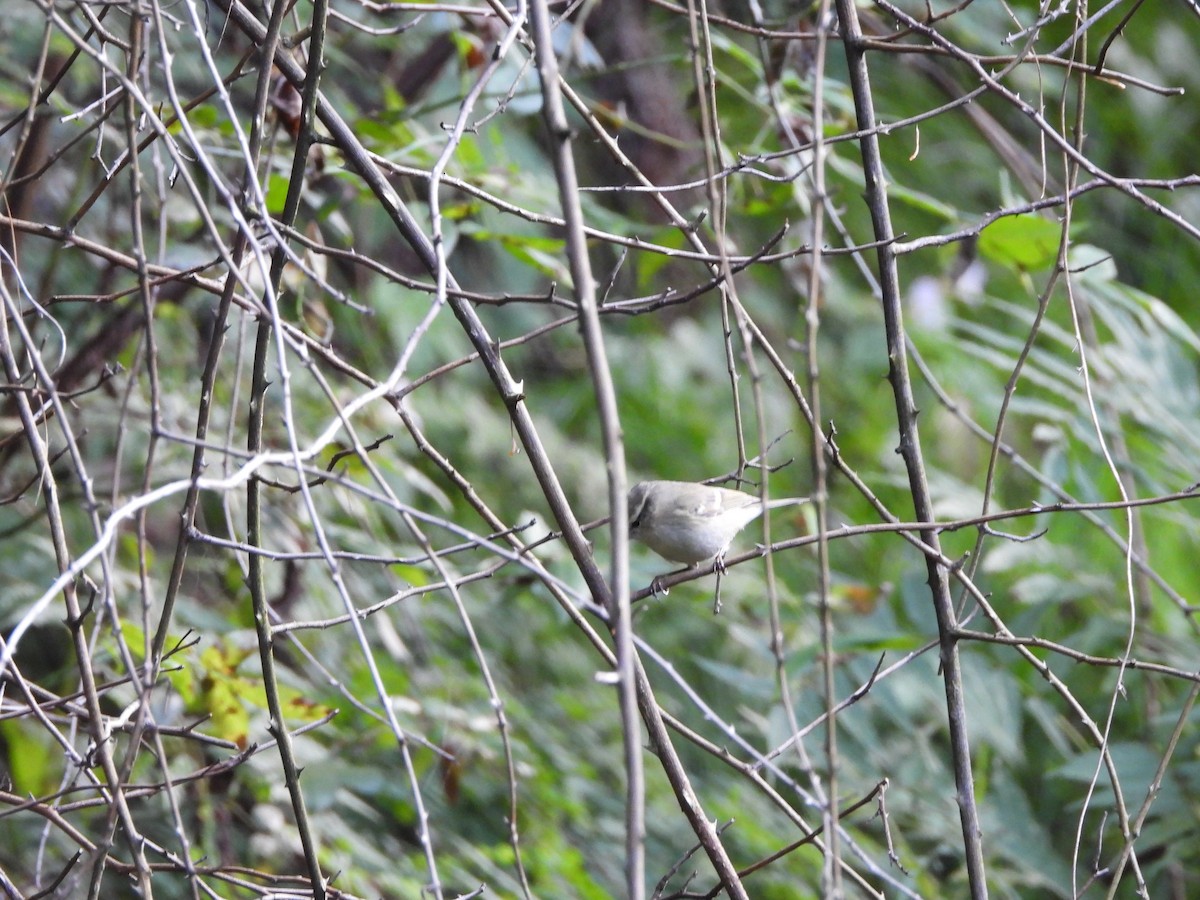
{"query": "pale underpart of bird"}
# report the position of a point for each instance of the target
(690, 523)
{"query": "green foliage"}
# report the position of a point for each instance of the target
(444, 700)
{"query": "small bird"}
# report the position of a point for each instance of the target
(690, 523)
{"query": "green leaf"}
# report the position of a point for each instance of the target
(277, 189)
(28, 755)
(1024, 242)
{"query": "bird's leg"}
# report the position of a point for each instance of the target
(719, 569)
(719, 564)
(656, 585)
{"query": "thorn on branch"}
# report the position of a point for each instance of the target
(189, 728)
(1015, 538)
(51, 889)
(881, 814)
(870, 682)
(831, 432)
(186, 641)
(76, 623)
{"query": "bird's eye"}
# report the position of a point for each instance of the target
(636, 515)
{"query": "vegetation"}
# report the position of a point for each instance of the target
(334, 333)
